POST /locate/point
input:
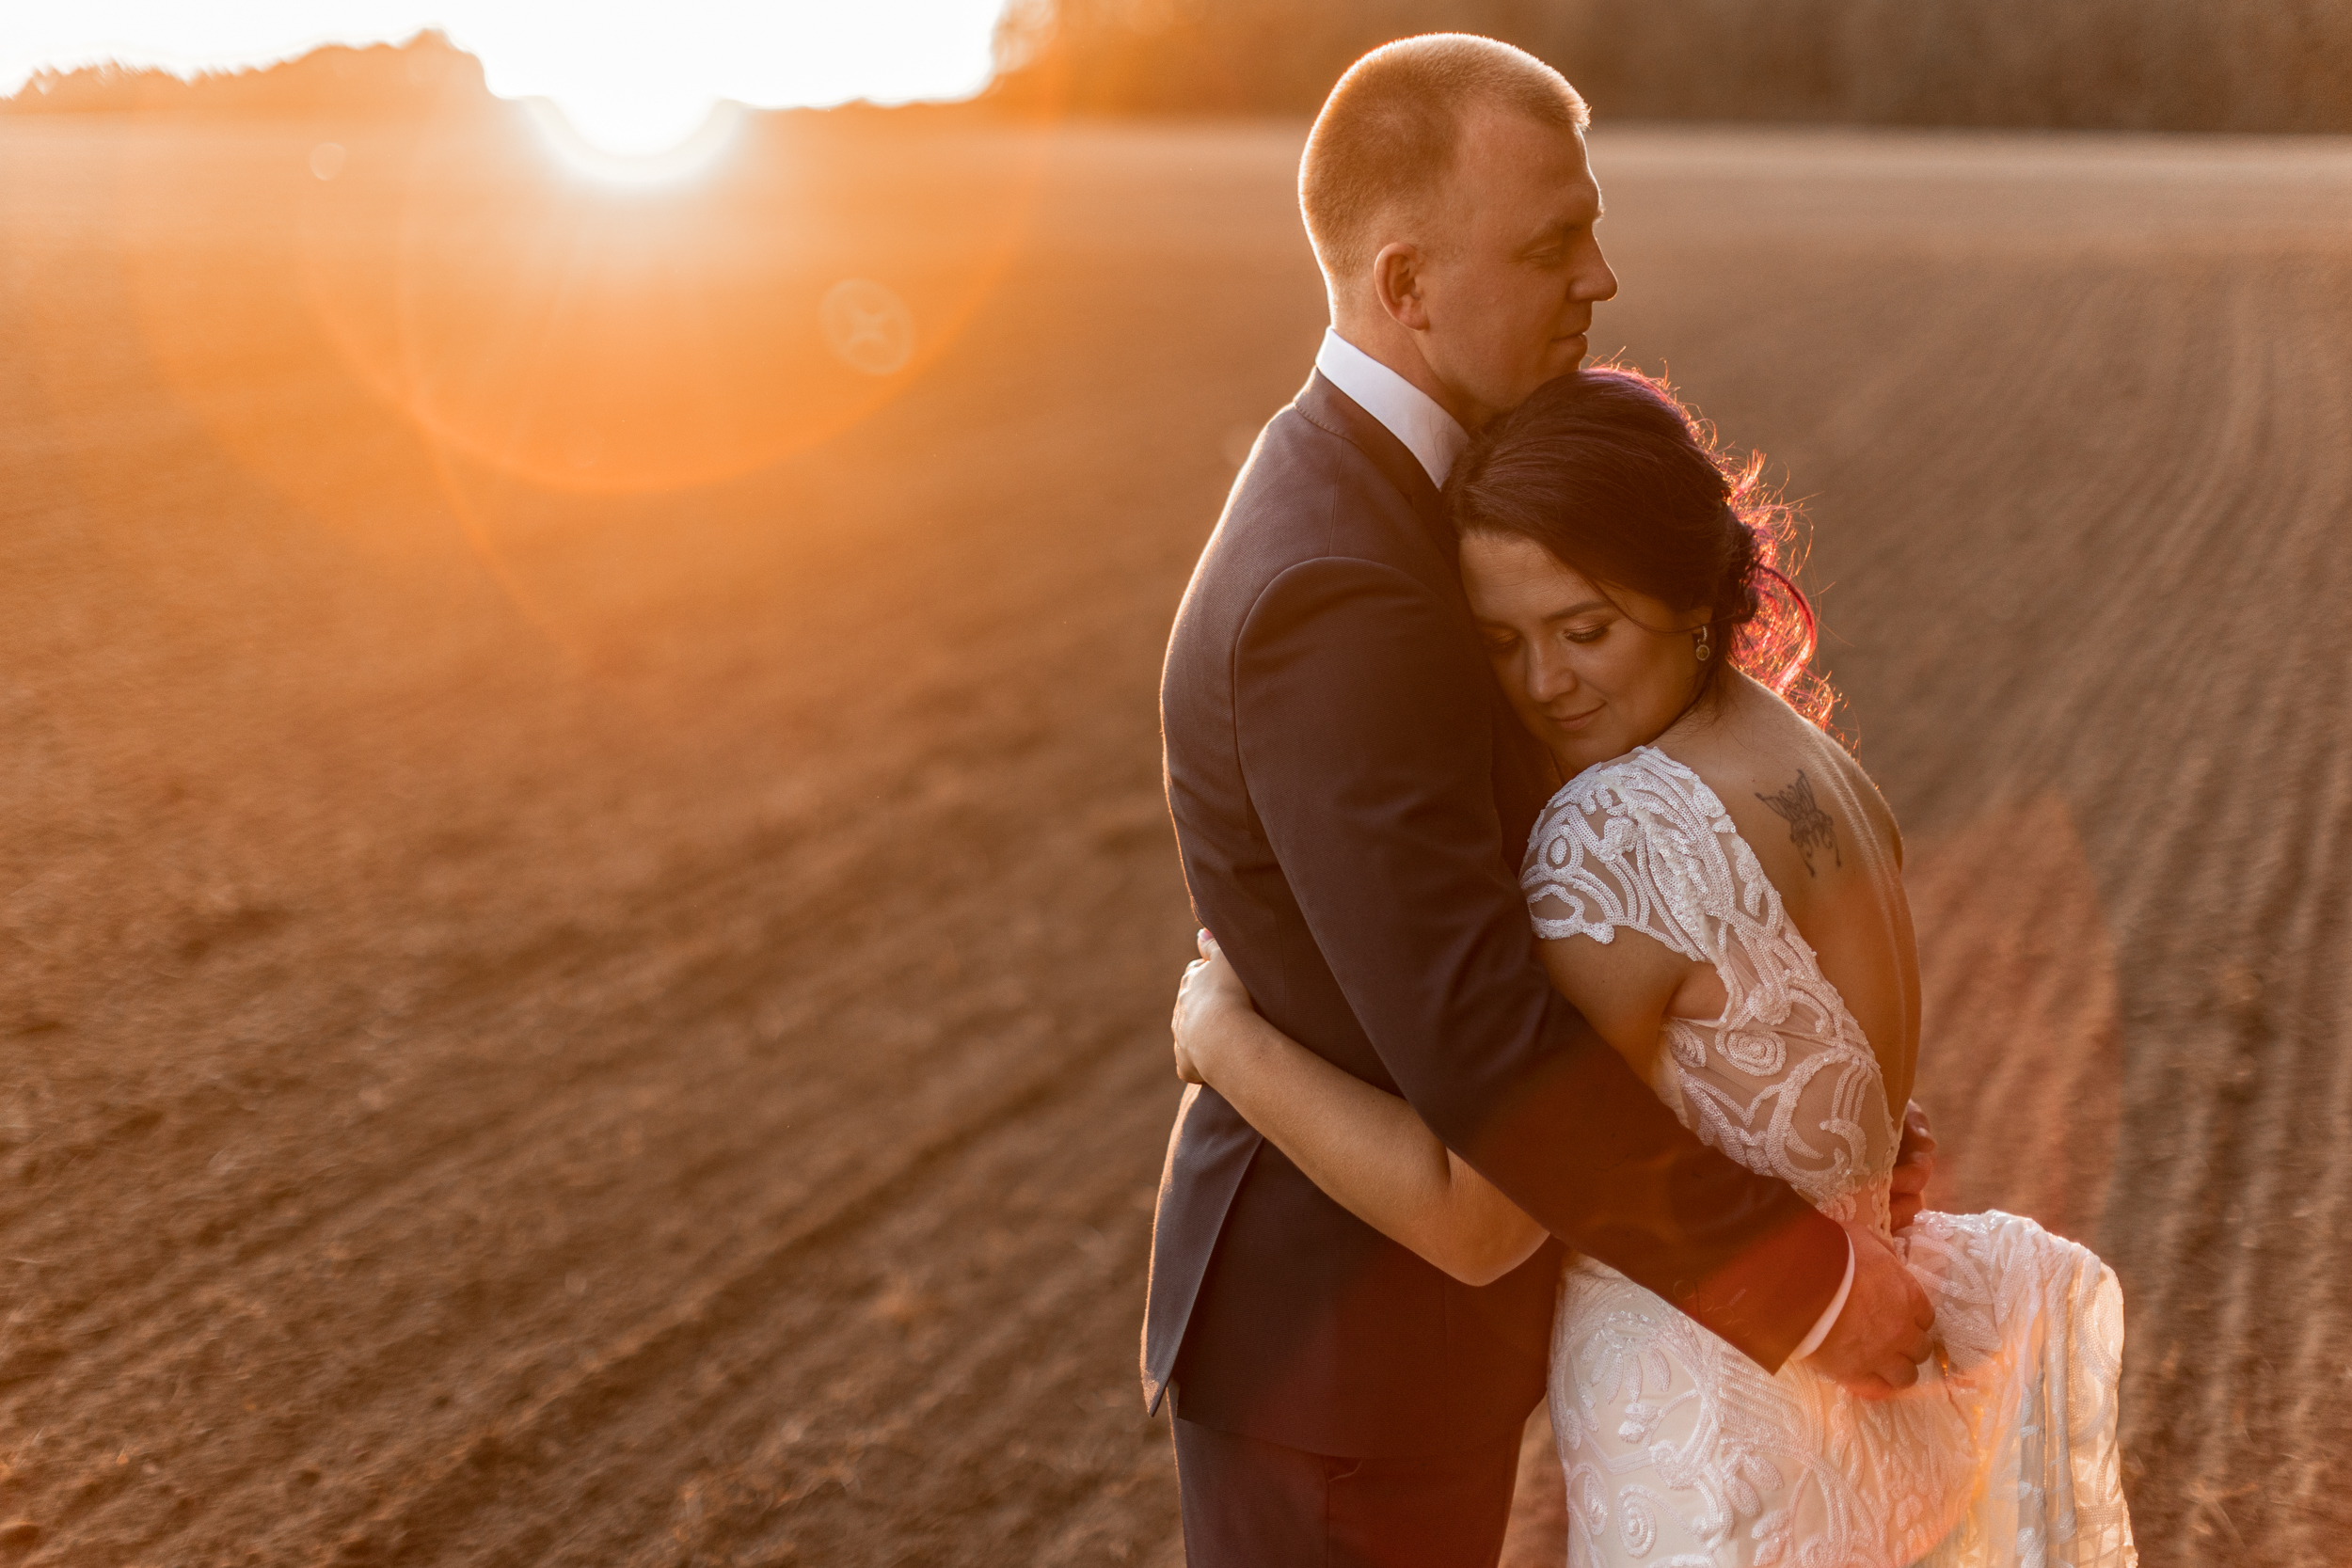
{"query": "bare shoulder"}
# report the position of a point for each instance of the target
(1800, 799)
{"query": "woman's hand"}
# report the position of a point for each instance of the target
(1915, 1164)
(1207, 1001)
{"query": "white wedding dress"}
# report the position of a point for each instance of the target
(1679, 1451)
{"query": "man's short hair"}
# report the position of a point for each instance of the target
(1387, 133)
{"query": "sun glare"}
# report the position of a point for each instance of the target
(631, 150)
(635, 124)
(636, 284)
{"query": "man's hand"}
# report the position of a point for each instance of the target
(1915, 1163)
(1875, 1347)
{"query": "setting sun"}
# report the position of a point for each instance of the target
(617, 160)
(630, 79)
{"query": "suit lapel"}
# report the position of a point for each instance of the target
(1522, 773)
(1334, 410)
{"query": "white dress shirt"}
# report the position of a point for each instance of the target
(1404, 410)
(1435, 438)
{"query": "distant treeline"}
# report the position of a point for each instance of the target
(427, 73)
(2176, 65)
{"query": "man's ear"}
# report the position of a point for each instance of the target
(1396, 278)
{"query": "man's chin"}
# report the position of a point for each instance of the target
(1552, 366)
(1566, 357)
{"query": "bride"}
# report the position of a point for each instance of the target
(1717, 887)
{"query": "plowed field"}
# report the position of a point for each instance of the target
(561, 1009)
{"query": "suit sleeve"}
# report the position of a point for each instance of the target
(1363, 718)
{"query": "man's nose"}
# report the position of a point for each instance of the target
(1595, 281)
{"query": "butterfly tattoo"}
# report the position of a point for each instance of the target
(1810, 828)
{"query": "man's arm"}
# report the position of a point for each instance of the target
(1363, 718)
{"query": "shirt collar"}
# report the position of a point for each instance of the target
(1434, 437)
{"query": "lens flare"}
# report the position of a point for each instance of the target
(867, 326)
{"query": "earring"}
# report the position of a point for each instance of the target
(1699, 644)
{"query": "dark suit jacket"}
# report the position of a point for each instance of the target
(1352, 796)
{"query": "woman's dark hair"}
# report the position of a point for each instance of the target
(1608, 471)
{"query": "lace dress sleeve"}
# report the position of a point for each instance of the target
(1783, 1080)
(1599, 862)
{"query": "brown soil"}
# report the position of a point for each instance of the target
(548, 1021)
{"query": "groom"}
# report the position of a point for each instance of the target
(1351, 794)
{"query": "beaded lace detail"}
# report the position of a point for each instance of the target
(1783, 1080)
(1681, 1452)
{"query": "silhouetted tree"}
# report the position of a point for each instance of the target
(426, 74)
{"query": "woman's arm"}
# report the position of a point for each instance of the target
(1363, 1147)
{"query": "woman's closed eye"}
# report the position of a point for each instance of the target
(1502, 643)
